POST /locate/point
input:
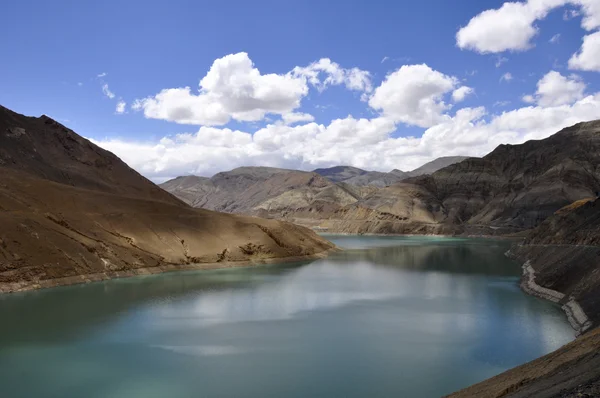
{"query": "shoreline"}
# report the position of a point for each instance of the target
(17, 287)
(577, 318)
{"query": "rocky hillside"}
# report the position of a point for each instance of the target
(71, 212)
(561, 260)
(513, 188)
(299, 196)
(355, 176)
(267, 192)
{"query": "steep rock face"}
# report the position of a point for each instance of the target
(71, 212)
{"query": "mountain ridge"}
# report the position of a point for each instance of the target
(72, 212)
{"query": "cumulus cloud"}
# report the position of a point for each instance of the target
(530, 99)
(512, 26)
(107, 91)
(325, 73)
(588, 57)
(461, 93)
(414, 95)
(120, 109)
(364, 143)
(296, 117)
(235, 89)
(555, 89)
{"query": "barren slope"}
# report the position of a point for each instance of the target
(72, 212)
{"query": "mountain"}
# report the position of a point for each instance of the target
(560, 261)
(267, 192)
(513, 188)
(340, 173)
(71, 212)
(299, 196)
(433, 166)
(355, 176)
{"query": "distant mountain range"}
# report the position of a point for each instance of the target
(288, 194)
(513, 188)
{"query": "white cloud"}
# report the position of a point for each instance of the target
(353, 79)
(80, 84)
(506, 77)
(414, 95)
(501, 103)
(235, 89)
(100, 75)
(120, 109)
(591, 14)
(500, 61)
(588, 57)
(530, 99)
(461, 93)
(512, 26)
(107, 91)
(555, 39)
(296, 117)
(570, 14)
(384, 59)
(555, 89)
(363, 143)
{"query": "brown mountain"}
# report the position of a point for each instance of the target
(513, 188)
(72, 212)
(303, 197)
(561, 264)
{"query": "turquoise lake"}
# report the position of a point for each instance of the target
(386, 317)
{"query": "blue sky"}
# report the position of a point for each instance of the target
(55, 55)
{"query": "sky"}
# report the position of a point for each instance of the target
(197, 87)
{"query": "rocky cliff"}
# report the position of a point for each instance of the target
(71, 212)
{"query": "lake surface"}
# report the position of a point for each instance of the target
(389, 316)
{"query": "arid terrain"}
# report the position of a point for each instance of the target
(72, 212)
(564, 254)
(512, 189)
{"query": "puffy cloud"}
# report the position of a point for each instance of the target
(512, 26)
(296, 117)
(530, 99)
(120, 109)
(588, 57)
(354, 79)
(555, 89)
(367, 143)
(591, 13)
(234, 88)
(461, 93)
(107, 91)
(414, 95)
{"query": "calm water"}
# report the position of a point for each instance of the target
(402, 317)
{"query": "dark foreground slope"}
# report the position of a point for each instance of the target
(72, 212)
(562, 262)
